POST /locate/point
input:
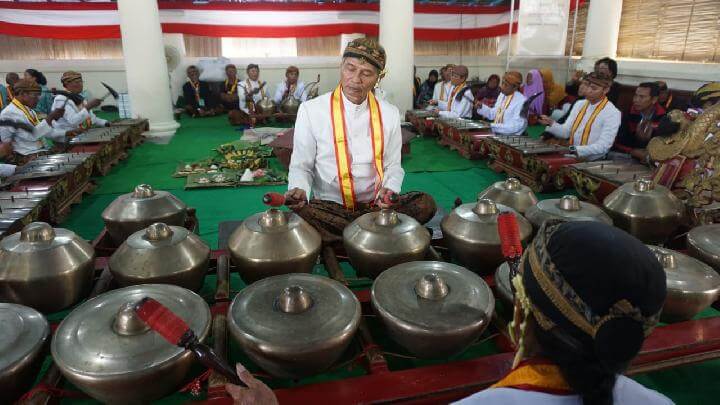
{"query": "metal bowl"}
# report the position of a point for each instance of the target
(294, 325)
(432, 309)
(692, 285)
(379, 240)
(703, 243)
(511, 193)
(567, 208)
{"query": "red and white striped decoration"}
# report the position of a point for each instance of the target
(253, 20)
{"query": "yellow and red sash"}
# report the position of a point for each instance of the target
(196, 87)
(455, 91)
(442, 91)
(500, 114)
(10, 94)
(668, 102)
(588, 124)
(233, 88)
(29, 114)
(342, 153)
(538, 376)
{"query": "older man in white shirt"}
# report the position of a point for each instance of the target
(443, 88)
(251, 90)
(77, 115)
(346, 150)
(461, 100)
(23, 129)
(593, 123)
(291, 85)
(507, 114)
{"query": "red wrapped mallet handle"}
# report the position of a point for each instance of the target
(510, 243)
(389, 198)
(171, 327)
(274, 199)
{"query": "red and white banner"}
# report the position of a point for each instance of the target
(254, 20)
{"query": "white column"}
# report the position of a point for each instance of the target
(145, 66)
(602, 29)
(396, 36)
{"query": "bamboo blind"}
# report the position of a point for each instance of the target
(582, 13)
(202, 47)
(23, 48)
(657, 29)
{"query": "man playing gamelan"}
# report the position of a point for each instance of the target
(443, 88)
(289, 86)
(251, 90)
(21, 126)
(460, 102)
(347, 150)
(76, 115)
(592, 124)
(507, 113)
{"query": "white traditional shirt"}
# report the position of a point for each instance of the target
(439, 94)
(506, 115)
(313, 166)
(74, 116)
(625, 392)
(460, 108)
(298, 93)
(602, 133)
(23, 141)
(247, 86)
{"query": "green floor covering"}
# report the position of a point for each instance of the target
(430, 168)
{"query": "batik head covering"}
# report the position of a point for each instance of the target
(69, 76)
(599, 79)
(25, 86)
(707, 92)
(367, 49)
(595, 287)
(536, 106)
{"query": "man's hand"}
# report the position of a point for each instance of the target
(94, 103)
(256, 393)
(382, 195)
(55, 114)
(433, 102)
(5, 149)
(640, 154)
(577, 75)
(295, 198)
(545, 120)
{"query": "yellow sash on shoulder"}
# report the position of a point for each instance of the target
(588, 125)
(29, 114)
(454, 93)
(500, 114)
(342, 152)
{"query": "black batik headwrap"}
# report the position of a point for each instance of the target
(595, 285)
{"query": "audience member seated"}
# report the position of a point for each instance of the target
(23, 129)
(460, 103)
(606, 67)
(416, 86)
(78, 114)
(554, 93)
(507, 115)
(251, 91)
(490, 91)
(593, 123)
(229, 96)
(44, 105)
(199, 101)
(534, 87)
(426, 90)
(639, 124)
(289, 86)
(665, 98)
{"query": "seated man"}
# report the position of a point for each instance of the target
(507, 115)
(443, 88)
(229, 96)
(461, 100)
(346, 150)
(22, 128)
(593, 123)
(638, 125)
(77, 115)
(586, 297)
(199, 101)
(290, 85)
(6, 92)
(251, 91)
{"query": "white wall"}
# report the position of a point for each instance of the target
(680, 75)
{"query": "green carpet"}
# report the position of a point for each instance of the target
(430, 168)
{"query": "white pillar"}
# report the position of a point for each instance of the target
(396, 36)
(146, 68)
(602, 29)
